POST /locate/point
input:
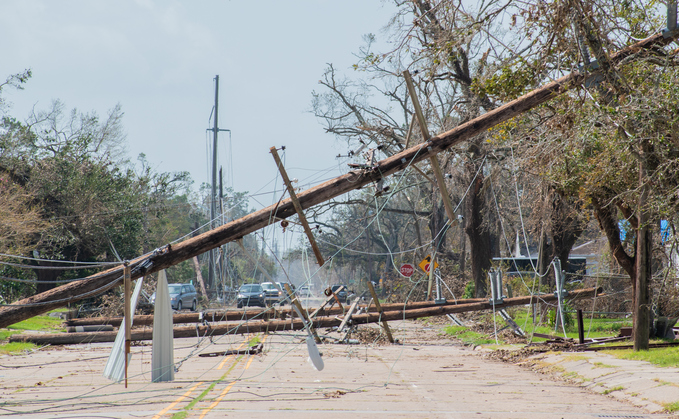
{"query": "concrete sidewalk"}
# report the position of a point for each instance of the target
(637, 382)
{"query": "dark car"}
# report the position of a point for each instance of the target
(251, 295)
(342, 294)
(181, 296)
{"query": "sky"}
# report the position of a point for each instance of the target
(158, 60)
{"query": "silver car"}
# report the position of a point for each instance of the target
(181, 296)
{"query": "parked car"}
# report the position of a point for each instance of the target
(250, 295)
(342, 294)
(272, 294)
(181, 296)
(305, 291)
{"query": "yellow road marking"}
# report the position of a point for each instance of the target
(185, 395)
(226, 358)
(216, 402)
(227, 389)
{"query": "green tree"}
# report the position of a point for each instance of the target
(96, 207)
(610, 146)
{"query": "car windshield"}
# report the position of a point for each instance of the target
(268, 286)
(251, 288)
(175, 289)
(335, 287)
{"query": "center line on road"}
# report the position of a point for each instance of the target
(185, 395)
(228, 388)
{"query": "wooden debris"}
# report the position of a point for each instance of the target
(253, 350)
(284, 325)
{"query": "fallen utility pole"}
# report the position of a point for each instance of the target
(171, 255)
(231, 328)
(253, 313)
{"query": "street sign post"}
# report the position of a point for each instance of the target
(407, 270)
(424, 265)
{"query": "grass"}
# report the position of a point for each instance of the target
(184, 413)
(574, 358)
(662, 357)
(37, 323)
(671, 407)
(611, 390)
(467, 336)
(41, 323)
(602, 365)
(16, 348)
(594, 328)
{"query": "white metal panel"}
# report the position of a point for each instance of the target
(162, 362)
(115, 366)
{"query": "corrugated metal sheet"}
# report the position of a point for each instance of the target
(115, 366)
(162, 362)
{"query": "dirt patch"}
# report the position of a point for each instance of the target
(370, 336)
(516, 356)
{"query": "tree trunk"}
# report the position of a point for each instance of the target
(642, 301)
(46, 277)
(437, 221)
(479, 237)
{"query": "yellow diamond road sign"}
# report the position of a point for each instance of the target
(424, 265)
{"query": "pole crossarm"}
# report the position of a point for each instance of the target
(170, 255)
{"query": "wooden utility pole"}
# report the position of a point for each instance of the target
(436, 167)
(295, 302)
(240, 327)
(171, 255)
(385, 325)
(298, 207)
(128, 315)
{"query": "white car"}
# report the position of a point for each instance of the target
(305, 291)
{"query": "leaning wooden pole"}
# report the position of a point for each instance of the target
(298, 207)
(171, 255)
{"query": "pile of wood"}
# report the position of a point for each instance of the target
(274, 320)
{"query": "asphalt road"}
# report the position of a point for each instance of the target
(426, 376)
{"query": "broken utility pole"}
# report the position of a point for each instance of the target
(171, 255)
(298, 207)
(435, 166)
(241, 327)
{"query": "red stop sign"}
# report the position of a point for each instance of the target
(407, 269)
